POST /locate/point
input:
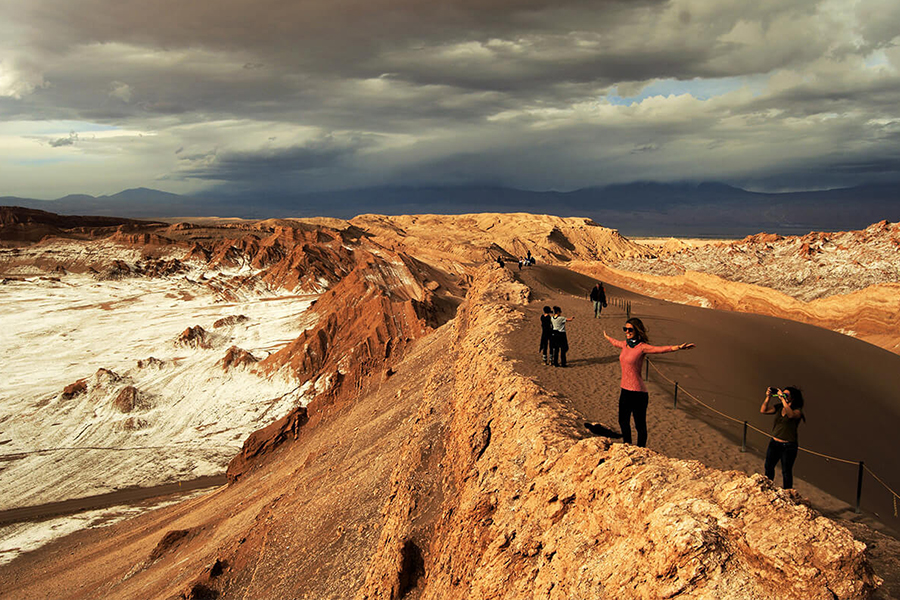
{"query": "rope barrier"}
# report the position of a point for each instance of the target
(895, 495)
(879, 480)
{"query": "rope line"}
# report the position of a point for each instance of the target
(879, 480)
(895, 495)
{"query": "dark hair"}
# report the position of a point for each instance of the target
(557, 310)
(640, 332)
(796, 399)
(547, 309)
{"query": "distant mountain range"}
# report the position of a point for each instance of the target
(643, 208)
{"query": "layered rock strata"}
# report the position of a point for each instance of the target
(457, 478)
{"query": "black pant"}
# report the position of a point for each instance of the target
(786, 452)
(545, 344)
(559, 345)
(633, 403)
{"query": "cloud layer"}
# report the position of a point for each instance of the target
(97, 95)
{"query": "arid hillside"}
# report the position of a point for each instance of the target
(419, 464)
(450, 476)
(809, 267)
(844, 281)
(480, 238)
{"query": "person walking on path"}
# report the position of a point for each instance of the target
(546, 333)
(598, 297)
(633, 396)
(559, 343)
(788, 411)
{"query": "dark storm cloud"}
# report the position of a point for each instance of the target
(550, 94)
(273, 164)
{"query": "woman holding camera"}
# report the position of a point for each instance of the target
(787, 406)
(633, 397)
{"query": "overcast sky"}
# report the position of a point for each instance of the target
(101, 95)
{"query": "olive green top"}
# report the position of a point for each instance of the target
(784, 427)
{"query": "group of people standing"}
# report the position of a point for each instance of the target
(786, 404)
(554, 343)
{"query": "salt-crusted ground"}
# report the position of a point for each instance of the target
(815, 265)
(24, 537)
(187, 417)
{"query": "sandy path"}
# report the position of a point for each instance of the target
(737, 356)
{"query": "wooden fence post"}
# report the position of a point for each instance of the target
(859, 480)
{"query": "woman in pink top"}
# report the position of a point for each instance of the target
(633, 397)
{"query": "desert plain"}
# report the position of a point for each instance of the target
(370, 396)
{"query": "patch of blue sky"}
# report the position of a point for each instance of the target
(877, 59)
(701, 89)
(38, 162)
(59, 127)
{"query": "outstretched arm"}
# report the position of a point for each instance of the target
(613, 341)
(767, 409)
(663, 349)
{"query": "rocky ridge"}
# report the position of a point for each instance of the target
(808, 267)
(844, 281)
(458, 478)
(479, 238)
(538, 512)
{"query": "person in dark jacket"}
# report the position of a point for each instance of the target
(598, 297)
(546, 333)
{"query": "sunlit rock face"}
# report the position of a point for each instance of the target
(352, 377)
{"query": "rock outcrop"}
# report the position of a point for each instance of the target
(364, 323)
(237, 357)
(264, 441)
(480, 238)
(458, 478)
(194, 337)
(530, 510)
(809, 267)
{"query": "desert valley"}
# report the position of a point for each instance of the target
(325, 408)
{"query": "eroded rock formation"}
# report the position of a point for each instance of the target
(458, 478)
(529, 510)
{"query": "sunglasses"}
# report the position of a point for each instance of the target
(627, 329)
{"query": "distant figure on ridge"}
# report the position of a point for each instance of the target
(546, 334)
(633, 397)
(500, 261)
(598, 297)
(559, 343)
(783, 446)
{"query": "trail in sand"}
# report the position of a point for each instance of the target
(852, 400)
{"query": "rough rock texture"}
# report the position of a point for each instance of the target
(479, 238)
(457, 478)
(128, 399)
(808, 267)
(265, 440)
(237, 357)
(194, 337)
(229, 321)
(25, 225)
(74, 389)
(364, 322)
(531, 511)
